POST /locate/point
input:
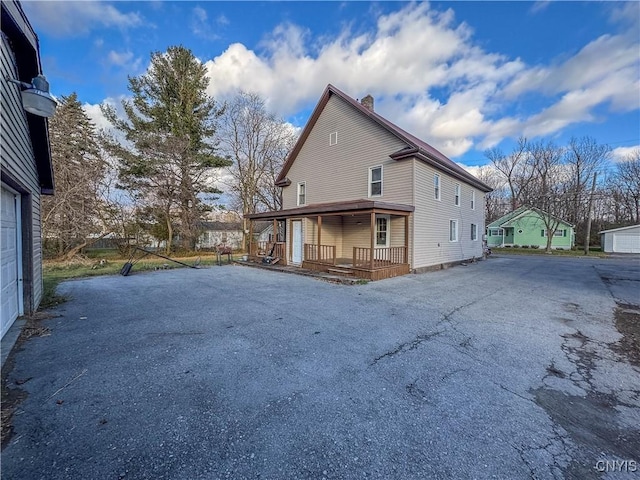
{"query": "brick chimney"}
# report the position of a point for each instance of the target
(367, 102)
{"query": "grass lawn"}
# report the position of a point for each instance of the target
(593, 252)
(55, 272)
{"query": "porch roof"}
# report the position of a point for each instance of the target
(336, 208)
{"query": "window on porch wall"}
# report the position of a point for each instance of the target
(382, 231)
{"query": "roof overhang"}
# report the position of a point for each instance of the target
(336, 208)
(25, 44)
(432, 160)
(620, 229)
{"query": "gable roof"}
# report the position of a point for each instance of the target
(415, 147)
(505, 220)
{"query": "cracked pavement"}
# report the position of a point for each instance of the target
(509, 368)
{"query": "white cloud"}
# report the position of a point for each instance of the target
(126, 61)
(97, 117)
(622, 153)
(200, 26)
(601, 59)
(539, 6)
(430, 78)
(71, 19)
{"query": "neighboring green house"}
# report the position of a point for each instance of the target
(525, 226)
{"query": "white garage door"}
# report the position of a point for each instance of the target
(9, 255)
(626, 243)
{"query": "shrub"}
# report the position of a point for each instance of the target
(507, 246)
(525, 246)
(516, 246)
(535, 246)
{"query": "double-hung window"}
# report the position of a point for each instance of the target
(382, 230)
(556, 233)
(302, 193)
(375, 181)
(436, 186)
(474, 232)
(457, 199)
(473, 199)
(453, 230)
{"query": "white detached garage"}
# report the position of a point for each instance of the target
(621, 240)
(26, 171)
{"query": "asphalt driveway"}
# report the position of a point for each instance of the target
(517, 367)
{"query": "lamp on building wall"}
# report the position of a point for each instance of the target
(36, 98)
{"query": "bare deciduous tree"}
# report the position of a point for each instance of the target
(550, 186)
(583, 157)
(497, 202)
(624, 187)
(515, 168)
(257, 143)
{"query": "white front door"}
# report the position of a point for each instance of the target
(10, 260)
(296, 241)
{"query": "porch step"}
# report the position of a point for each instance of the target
(340, 271)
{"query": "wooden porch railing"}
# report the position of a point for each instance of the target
(325, 254)
(382, 257)
(264, 248)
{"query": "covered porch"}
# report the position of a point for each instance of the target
(362, 239)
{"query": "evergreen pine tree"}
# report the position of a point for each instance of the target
(169, 149)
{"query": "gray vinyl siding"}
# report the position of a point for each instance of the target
(341, 172)
(431, 245)
(18, 163)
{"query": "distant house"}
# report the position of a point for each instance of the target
(220, 233)
(27, 171)
(621, 240)
(363, 197)
(525, 226)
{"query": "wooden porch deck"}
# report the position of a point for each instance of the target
(366, 263)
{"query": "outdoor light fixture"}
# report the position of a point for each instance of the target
(36, 98)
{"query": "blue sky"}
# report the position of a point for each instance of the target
(463, 76)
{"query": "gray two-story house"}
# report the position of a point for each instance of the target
(364, 197)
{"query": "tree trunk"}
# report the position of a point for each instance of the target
(169, 236)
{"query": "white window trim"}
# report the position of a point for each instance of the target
(476, 236)
(388, 239)
(298, 194)
(381, 180)
(457, 195)
(439, 195)
(453, 220)
(332, 136)
(555, 233)
(473, 199)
